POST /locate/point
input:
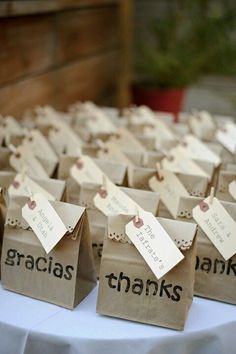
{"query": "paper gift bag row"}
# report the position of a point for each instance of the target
(126, 151)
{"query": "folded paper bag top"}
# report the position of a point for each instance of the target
(129, 289)
(65, 275)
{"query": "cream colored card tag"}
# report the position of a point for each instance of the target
(227, 140)
(170, 189)
(22, 184)
(232, 189)
(127, 141)
(196, 149)
(24, 158)
(11, 126)
(57, 139)
(39, 145)
(112, 152)
(217, 225)
(179, 163)
(153, 243)
(86, 170)
(99, 123)
(111, 200)
(73, 141)
(44, 221)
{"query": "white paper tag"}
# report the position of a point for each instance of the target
(167, 184)
(10, 126)
(227, 140)
(218, 225)
(39, 145)
(179, 163)
(112, 200)
(232, 189)
(112, 152)
(22, 184)
(24, 158)
(85, 170)
(153, 243)
(196, 149)
(99, 123)
(127, 141)
(44, 221)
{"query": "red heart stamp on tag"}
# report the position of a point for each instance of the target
(16, 184)
(103, 193)
(31, 204)
(138, 223)
(79, 164)
(203, 206)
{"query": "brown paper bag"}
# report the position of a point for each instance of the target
(55, 187)
(224, 179)
(3, 211)
(4, 159)
(128, 289)
(114, 171)
(215, 278)
(149, 201)
(138, 178)
(65, 275)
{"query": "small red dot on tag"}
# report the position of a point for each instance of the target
(16, 184)
(138, 223)
(203, 206)
(103, 193)
(79, 164)
(31, 204)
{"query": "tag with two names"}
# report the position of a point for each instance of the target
(111, 200)
(218, 225)
(167, 184)
(44, 221)
(22, 184)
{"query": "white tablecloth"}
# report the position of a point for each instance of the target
(28, 326)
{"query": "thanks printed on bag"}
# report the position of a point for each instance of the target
(218, 225)
(22, 184)
(167, 184)
(111, 200)
(232, 189)
(196, 149)
(86, 170)
(44, 221)
(153, 243)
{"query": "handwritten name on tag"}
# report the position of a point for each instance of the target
(232, 189)
(153, 243)
(226, 139)
(112, 200)
(196, 149)
(39, 145)
(44, 221)
(179, 163)
(22, 184)
(167, 184)
(217, 225)
(24, 158)
(85, 170)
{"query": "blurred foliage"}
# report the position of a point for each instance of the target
(192, 38)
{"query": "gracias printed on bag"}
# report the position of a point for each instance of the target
(66, 274)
